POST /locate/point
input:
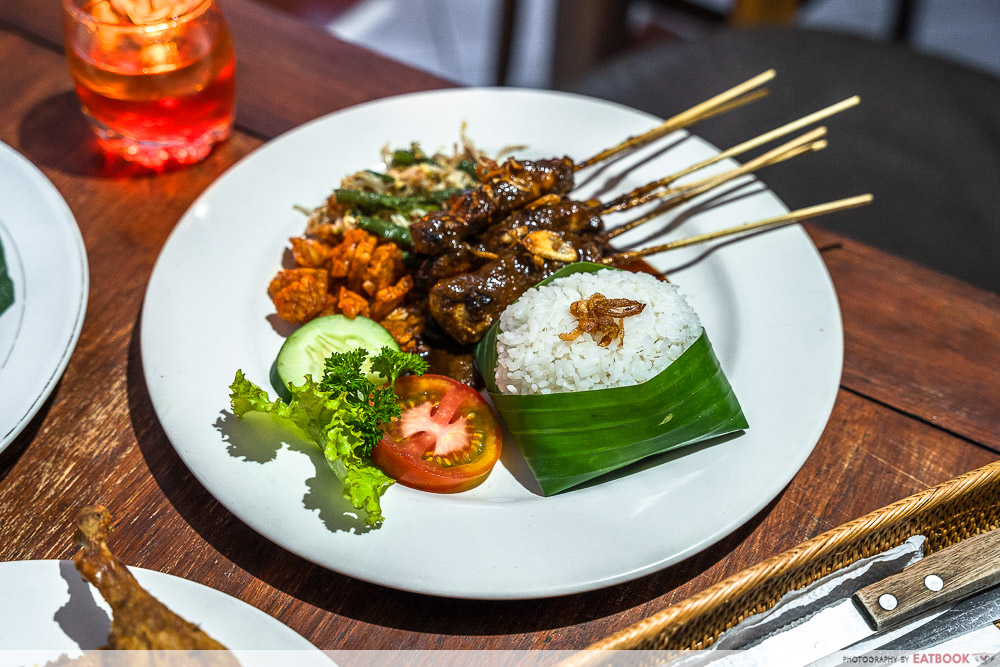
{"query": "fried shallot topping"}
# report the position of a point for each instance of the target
(547, 244)
(601, 316)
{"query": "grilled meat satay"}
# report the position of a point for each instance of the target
(568, 217)
(504, 188)
(141, 622)
(544, 238)
(565, 217)
(466, 305)
(515, 184)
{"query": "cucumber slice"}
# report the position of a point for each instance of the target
(306, 350)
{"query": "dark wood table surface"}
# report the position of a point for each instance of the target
(919, 401)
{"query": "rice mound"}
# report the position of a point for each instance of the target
(532, 359)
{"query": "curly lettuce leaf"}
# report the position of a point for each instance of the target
(328, 420)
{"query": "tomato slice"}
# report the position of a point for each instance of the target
(446, 440)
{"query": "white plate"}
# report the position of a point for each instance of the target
(767, 303)
(48, 608)
(48, 264)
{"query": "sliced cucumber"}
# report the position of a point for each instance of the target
(306, 350)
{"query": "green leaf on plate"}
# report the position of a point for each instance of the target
(328, 421)
(570, 438)
(6, 285)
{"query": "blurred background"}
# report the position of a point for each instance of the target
(551, 43)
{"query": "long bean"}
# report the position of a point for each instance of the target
(386, 230)
(372, 201)
(440, 196)
(404, 158)
(469, 167)
(385, 178)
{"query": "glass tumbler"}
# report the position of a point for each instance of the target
(155, 78)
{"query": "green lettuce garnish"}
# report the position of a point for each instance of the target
(343, 415)
(326, 418)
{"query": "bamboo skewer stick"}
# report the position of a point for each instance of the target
(681, 120)
(773, 134)
(750, 144)
(805, 143)
(741, 101)
(769, 223)
(647, 193)
(691, 194)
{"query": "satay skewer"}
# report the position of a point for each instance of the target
(684, 119)
(513, 184)
(747, 145)
(650, 192)
(465, 305)
(768, 223)
(741, 101)
(547, 219)
(806, 143)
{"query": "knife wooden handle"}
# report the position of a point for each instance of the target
(953, 573)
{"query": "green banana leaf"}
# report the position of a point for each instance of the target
(6, 285)
(573, 437)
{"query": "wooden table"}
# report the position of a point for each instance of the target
(919, 401)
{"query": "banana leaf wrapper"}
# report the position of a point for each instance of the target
(570, 438)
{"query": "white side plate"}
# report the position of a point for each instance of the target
(48, 609)
(48, 264)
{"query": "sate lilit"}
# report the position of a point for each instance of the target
(141, 622)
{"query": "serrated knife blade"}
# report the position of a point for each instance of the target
(826, 632)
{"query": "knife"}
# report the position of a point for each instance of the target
(965, 619)
(976, 612)
(951, 574)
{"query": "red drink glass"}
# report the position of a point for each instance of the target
(155, 78)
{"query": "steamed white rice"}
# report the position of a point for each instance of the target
(532, 359)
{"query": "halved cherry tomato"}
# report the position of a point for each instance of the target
(446, 440)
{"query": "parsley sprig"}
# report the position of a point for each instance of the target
(390, 364)
(376, 404)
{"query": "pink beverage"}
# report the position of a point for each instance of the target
(157, 92)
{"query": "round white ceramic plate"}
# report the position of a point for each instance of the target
(767, 303)
(48, 264)
(48, 610)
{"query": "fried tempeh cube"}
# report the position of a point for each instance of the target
(384, 269)
(310, 253)
(406, 324)
(352, 304)
(360, 261)
(388, 298)
(342, 255)
(299, 294)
